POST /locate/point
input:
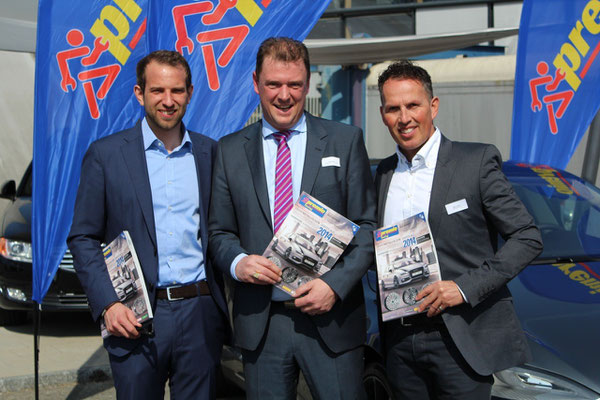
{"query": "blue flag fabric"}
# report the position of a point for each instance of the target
(220, 39)
(557, 79)
(84, 77)
(85, 74)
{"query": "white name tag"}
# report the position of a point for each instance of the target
(456, 206)
(330, 162)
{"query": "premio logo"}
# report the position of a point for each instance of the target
(317, 209)
(383, 234)
(558, 80)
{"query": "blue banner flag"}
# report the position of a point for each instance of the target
(220, 38)
(557, 79)
(84, 77)
(85, 74)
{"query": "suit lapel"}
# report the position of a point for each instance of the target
(444, 170)
(316, 140)
(254, 154)
(201, 158)
(384, 185)
(135, 159)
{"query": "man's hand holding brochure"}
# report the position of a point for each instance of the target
(406, 264)
(128, 281)
(308, 244)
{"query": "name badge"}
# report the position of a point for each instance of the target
(456, 206)
(330, 162)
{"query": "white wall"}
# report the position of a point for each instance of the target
(16, 114)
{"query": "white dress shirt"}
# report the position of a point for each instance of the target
(410, 187)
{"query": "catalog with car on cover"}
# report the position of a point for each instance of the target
(406, 263)
(309, 242)
(127, 279)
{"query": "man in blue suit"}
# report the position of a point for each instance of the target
(154, 180)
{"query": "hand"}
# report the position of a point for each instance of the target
(439, 296)
(120, 321)
(257, 269)
(315, 297)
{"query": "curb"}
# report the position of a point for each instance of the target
(84, 375)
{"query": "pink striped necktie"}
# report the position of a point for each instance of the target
(284, 196)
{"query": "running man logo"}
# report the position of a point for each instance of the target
(109, 30)
(568, 60)
(213, 15)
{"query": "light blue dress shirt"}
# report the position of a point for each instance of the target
(297, 144)
(175, 201)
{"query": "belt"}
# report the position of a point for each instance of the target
(183, 291)
(421, 320)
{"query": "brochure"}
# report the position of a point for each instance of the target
(127, 279)
(406, 263)
(309, 242)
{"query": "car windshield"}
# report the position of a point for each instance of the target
(567, 211)
(303, 242)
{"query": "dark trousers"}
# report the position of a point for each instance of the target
(292, 343)
(423, 363)
(185, 350)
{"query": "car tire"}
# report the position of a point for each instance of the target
(288, 253)
(375, 383)
(274, 245)
(12, 317)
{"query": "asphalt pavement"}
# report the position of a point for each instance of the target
(72, 361)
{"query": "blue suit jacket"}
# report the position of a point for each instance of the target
(114, 195)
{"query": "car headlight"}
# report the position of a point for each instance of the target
(15, 250)
(531, 383)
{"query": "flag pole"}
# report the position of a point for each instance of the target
(36, 347)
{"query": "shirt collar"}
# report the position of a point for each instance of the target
(150, 138)
(300, 127)
(426, 154)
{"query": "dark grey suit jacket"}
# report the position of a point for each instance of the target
(114, 195)
(240, 222)
(486, 330)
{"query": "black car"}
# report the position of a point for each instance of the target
(65, 292)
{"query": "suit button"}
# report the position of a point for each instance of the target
(151, 287)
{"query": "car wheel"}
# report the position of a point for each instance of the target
(275, 261)
(289, 274)
(409, 296)
(12, 317)
(288, 252)
(274, 246)
(392, 301)
(375, 383)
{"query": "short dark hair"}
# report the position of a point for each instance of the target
(405, 69)
(168, 57)
(282, 49)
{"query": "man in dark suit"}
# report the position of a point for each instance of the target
(320, 331)
(154, 180)
(470, 329)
